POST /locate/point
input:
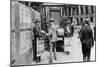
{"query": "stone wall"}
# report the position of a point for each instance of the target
(21, 30)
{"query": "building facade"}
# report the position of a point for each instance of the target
(58, 11)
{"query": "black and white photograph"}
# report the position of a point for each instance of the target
(51, 33)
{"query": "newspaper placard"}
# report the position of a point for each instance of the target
(40, 47)
(67, 46)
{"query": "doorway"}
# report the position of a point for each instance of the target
(55, 14)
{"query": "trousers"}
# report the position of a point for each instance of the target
(52, 48)
(86, 52)
(34, 46)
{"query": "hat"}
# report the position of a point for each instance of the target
(36, 20)
(51, 20)
(87, 21)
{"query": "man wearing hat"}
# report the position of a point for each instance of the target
(53, 38)
(86, 38)
(36, 34)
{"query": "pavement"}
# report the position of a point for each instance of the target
(75, 54)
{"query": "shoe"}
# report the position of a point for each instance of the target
(50, 61)
(55, 58)
(33, 59)
(84, 59)
(39, 58)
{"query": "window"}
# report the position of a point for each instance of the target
(77, 11)
(91, 19)
(86, 9)
(81, 9)
(81, 19)
(73, 11)
(92, 10)
(66, 11)
(69, 11)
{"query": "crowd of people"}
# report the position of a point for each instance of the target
(85, 35)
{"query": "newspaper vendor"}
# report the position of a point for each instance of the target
(37, 34)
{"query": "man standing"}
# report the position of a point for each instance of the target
(86, 37)
(37, 34)
(53, 38)
(74, 23)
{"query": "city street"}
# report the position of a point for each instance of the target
(74, 56)
(38, 23)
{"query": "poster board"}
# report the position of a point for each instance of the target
(67, 46)
(40, 47)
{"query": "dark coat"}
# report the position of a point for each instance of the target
(86, 36)
(37, 32)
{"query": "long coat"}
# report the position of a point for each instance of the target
(53, 33)
(86, 36)
(36, 32)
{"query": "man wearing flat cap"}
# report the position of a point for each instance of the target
(53, 38)
(36, 34)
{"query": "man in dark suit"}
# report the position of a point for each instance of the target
(36, 34)
(86, 37)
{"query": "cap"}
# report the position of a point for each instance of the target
(51, 20)
(87, 21)
(36, 20)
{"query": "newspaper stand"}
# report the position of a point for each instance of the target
(67, 46)
(40, 47)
